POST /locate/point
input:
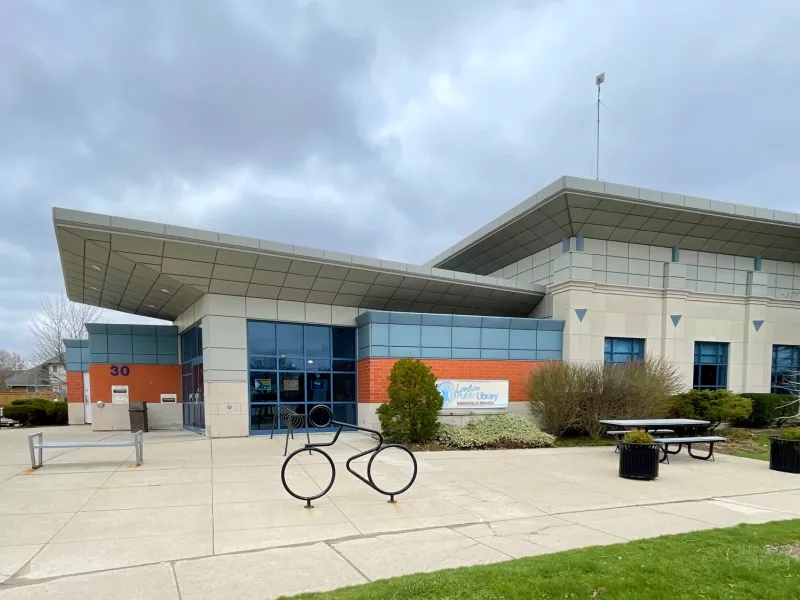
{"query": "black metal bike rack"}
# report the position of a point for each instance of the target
(380, 447)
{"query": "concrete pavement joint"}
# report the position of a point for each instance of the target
(347, 560)
(26, 566)
(175, 578)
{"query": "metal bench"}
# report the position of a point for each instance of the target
(36, 443)
(619, 434)
(688, 441)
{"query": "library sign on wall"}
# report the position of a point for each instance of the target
(473, 394)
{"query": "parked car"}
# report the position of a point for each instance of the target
(7, 422)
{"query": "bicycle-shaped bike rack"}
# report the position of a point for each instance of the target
(310, 448)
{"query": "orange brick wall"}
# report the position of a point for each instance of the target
(145, 383)
(74, 386)
(373, 375)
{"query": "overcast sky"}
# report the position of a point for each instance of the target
(388, 129)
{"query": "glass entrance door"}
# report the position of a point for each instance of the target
(193, 405)
(300, 366)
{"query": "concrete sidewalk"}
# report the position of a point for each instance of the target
(210, 518)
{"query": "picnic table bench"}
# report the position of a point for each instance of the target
(36, 444)
(681, 425)
(688, 441)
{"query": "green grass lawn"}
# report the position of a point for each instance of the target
(711, 565)
(748, 443)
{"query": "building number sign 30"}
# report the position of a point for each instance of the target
(124, 370)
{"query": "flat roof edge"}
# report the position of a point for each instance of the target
(567, 183)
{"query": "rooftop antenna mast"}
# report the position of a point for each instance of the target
(598, 81)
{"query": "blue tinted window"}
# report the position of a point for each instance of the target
(620, 350)
(296, 365)
(318, 341)
(785, 369)
(261, 338)
(710, 366)
(290, 339)
(344, 342)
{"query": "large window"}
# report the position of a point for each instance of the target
(710, 366)
(300, 366)
(194, 416)
(785, 368)
(623, 350)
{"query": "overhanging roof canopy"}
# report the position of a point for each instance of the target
(159, 270)
(609, 211)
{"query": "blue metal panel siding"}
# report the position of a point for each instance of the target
(380, 334)
(523, 339)
(120, 344)
(145, 359)
(98, 343)
(404, 335)
(73, 355)
(466, 337)
(436, 337)
(145, 344)
(167, 345)
(549, 340)
(118, 329)
(466, 353)
(494, 338)
(436, 353)
(396, 334)
(138, 344)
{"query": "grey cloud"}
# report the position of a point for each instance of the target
(377, 128)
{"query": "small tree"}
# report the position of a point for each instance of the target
(411, 415)
(59, 319)
(790, 410)
(556, 394)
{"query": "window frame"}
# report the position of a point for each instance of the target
(717, 356)
(635, 354)
(776, 370)
(299, 365)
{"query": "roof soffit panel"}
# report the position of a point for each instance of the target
(187, 251)
(137, 245)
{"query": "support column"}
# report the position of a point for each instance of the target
(227, 407)
(674, 345)
(757, 352)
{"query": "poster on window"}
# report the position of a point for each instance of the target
(460, 394)
(291, 385)
(264, 385)
(318, 384)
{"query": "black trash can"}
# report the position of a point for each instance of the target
(784, 455)
(638, 461)
(138, 415)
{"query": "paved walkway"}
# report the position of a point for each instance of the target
(209, 519)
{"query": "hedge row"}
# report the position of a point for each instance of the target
(766, 408)
(37, 411)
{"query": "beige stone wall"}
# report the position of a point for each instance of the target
(164, 416)
(110, 417)
(224, 320)
(75, 414)
(617, 311)
(641, 265)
